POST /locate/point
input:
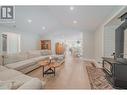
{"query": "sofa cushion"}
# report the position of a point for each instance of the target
(15, 82)
(40, 58)
(10, 84)
(22, 64)
(2, 68)
(30, 68)
(34, 83)
(3, 85)
(12, 58)
(21, 77)
(8, 74)
(34, 53)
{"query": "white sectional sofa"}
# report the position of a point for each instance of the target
(15, 66)
(12, 79)
(25, 61)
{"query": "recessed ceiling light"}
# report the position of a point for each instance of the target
(71, 8)
(74, 21)
(62, 36)
(43, 28)
(29, 20)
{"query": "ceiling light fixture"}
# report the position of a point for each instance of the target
(62, 36)
(71, 8)
(43, 28)
(29, 20)
(74, 21)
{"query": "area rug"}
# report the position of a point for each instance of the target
(97, 78)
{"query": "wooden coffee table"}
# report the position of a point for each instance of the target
(50, 65)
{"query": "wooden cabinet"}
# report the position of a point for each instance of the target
(46, 44)
(59, 48)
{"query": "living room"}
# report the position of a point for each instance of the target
(73, 38)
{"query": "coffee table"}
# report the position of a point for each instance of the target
(50, 65)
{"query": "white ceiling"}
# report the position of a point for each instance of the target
(116, 21)
(55, 18)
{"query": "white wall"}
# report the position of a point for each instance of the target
(88, 44)
(53, 41)
(98, 47)
(29, 41)
(101, 37)
(109, 40)
(104, 42)
(62, 36)
(69, 34)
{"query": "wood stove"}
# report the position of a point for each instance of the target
(116, 71)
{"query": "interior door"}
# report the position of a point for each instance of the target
(4, 42)
(125, 43)
(10, 42)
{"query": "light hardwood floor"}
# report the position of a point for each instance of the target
(71, 75)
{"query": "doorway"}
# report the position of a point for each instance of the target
(10, 43)
(74, 47)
